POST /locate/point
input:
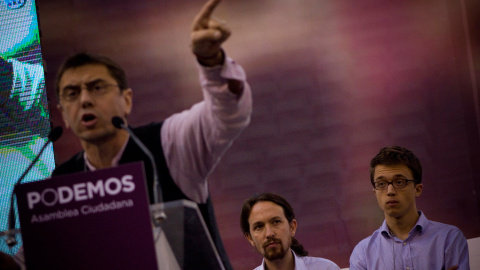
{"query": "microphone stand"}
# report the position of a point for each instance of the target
(10, 239)
(158, 215)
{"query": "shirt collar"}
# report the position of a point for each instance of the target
(419, 226)
(299, 264)
(115, 159)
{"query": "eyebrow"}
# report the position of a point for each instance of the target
(269, 220)
(92, 82)
(381, 177)
(257, 223)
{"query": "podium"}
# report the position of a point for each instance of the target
(188, 236)
(101, 220)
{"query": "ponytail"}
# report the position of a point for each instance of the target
(298, 248)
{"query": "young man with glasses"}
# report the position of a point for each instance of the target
(406, 239)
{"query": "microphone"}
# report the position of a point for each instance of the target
(159, 215)
(54, 134)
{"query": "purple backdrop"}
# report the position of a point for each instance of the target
(333, 82)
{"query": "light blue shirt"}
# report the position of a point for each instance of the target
(429, 245)
(308, 263)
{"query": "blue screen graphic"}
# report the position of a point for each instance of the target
(24, 114)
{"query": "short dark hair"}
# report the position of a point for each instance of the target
(397, 155)
(81, 59)
(278, 200)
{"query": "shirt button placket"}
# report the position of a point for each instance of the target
(407, 259)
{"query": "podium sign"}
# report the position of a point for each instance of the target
(90, 220)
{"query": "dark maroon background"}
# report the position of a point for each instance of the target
(333, 82)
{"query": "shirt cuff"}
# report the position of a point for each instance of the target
(229, 70)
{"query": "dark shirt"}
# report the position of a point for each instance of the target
(149, 135)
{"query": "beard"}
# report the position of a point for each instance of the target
(274, 253)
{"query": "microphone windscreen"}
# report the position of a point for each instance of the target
(117, 122)
(55, 133)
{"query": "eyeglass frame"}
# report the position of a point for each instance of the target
(391, 183)
(89, 87)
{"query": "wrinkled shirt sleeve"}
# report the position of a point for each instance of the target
(357, 258)
(194, 140)
(456, 252)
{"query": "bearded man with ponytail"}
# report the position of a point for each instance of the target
(268, 222)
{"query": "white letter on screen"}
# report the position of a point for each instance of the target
(80, 192)
(65, 194)
(32, 198)
(128, 185)
(117, 186)
(95, 188)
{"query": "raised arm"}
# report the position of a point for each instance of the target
(194, 140)
(207, 36)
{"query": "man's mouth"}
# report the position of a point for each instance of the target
(271, 243)
(392, 202)
(89, 119)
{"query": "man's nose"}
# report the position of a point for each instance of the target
(85, 97)
(269, 231)
(391, 189)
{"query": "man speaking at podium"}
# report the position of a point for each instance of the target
(186, 146)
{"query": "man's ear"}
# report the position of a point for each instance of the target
(418, 189)
(249, 238)
(293, 227)
(128, 98)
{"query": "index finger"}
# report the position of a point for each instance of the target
(205, 13)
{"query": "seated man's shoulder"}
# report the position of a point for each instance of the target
(442, 229)
(440, 225)
(368, 243)
(319, 263)
(371, 238)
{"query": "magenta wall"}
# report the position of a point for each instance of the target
(333, 82)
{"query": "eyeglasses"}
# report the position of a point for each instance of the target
(397, 184)
(95, 89)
